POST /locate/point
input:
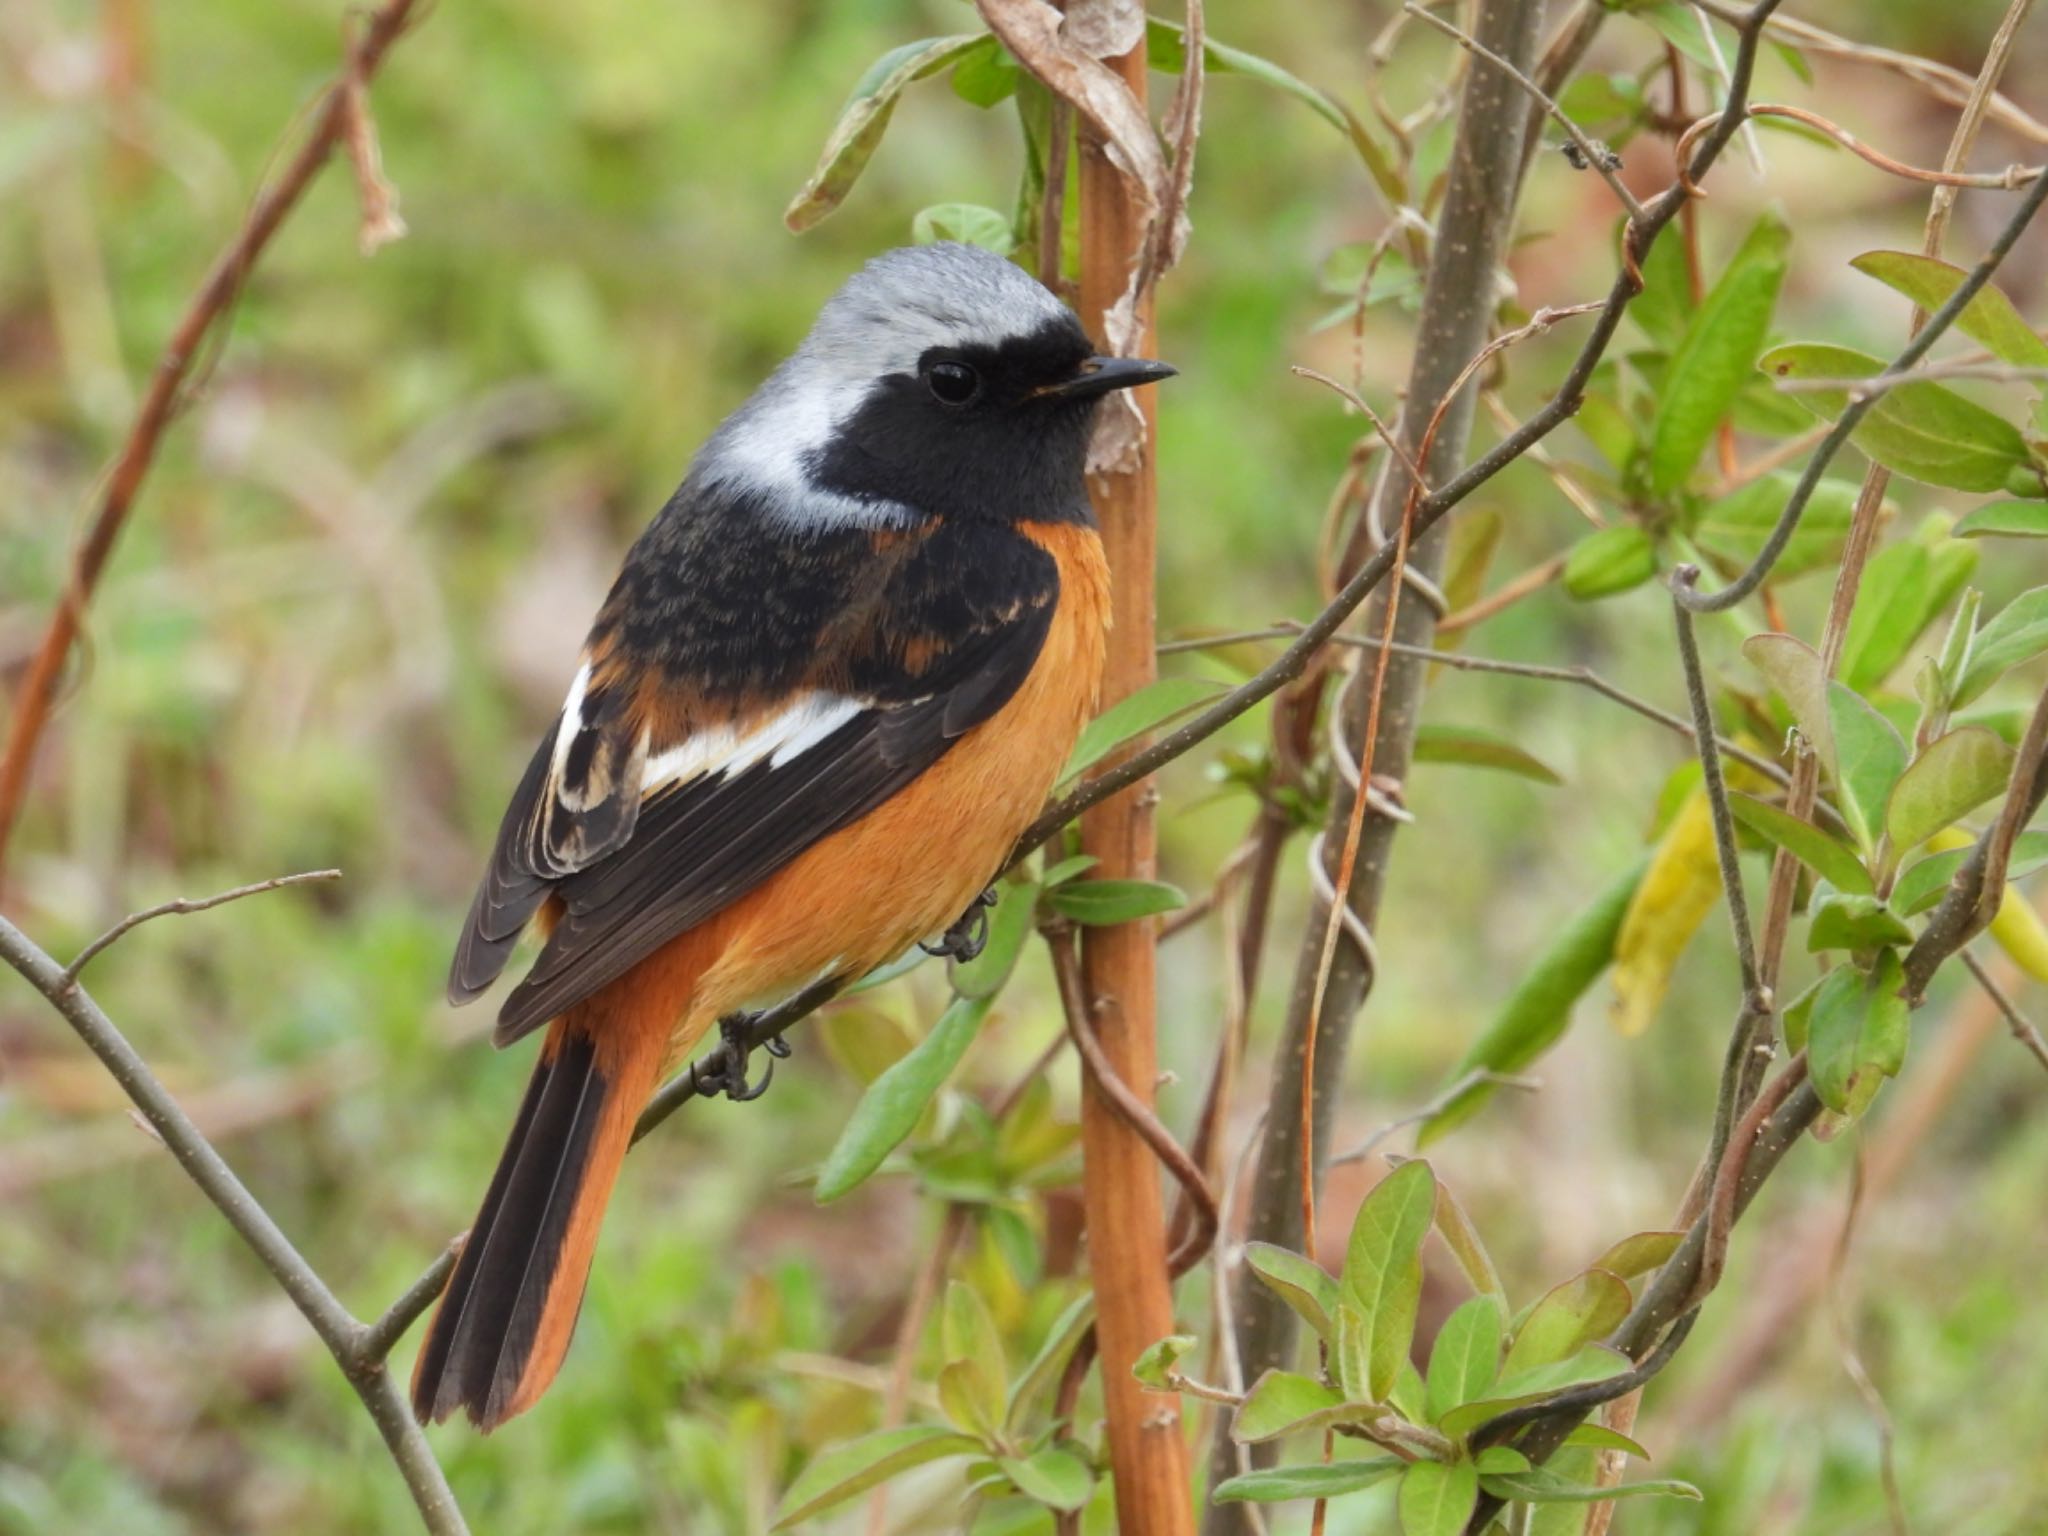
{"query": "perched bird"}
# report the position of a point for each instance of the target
(835, 679)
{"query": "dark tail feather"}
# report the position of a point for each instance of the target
(504, 1322)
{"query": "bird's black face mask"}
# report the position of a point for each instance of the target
(995, 432)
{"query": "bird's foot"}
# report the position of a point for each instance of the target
(968, 936)
(729, 1075)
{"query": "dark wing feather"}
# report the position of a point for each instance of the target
(564, 816)
(699, 847)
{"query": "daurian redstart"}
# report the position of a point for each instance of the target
(835, 679)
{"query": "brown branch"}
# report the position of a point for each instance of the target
(160, 405)
(2022, 1027)
(348, 1341)
(1979, 885)
(1102, 1075)
(184, 906)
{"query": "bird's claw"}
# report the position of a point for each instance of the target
(729, 1076)
(968, 936)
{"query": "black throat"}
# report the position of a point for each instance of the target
(1012, 454)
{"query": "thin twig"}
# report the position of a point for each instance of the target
(1979, 885)
(1708, 745)
(184, 906)
(1852, 1359)
(1356, 401)
(216, 295)
(2022, 1027)
(1596, 155)
(1435, 1107)
(1066, 965)
(1845, 425)
(344, 1337)
(2010, 179)
(1563, 403)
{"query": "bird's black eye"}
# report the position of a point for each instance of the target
(952, 383)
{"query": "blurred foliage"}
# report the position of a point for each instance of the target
(351, 593)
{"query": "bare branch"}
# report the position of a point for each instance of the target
(38, 689)
(340, 1332)
(184, 906)
(2022, 1027)
(1595, 156)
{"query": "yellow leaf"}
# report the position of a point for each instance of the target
(1678, 889)
(2018, 929)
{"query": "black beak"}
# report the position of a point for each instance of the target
(1100, 375)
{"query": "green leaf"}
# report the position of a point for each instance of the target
(1601, 1438)
(1045, 1367)
(2006, 520)
(1587, 1307)
(1921, 430)
(1594, 1363)
(1580, 1464)
(986, 76)
(964, 1399)
(2018, 632)
(1869, 757)
(882, 975)
(849, 1470)
(1925, 883)
(1905, 588)
(1437, 1497)
(1989, 319)
(1467, 1247)
(865, 118)
(1155, 1367)
(1054, 1477)
(1639, 1253)
(1465, 1358)
(1500, 1459)
(1326, 1480)
(1480, 749)
(969, 223)
(967, 1336)
(1734, 529)
(1717, 356)
(1383, 1266)
(1853, 922)
(1136, 715)
(1680, 28)
(1539, 1485)
(1067, 869)
(1664, 307)
(1103, 903)
(1793, 668)
(1302, 1283)
(1281, 1402)
(1835, 861)
(893, 1104)
(1537, 1011)
(1856, 1035)
(1602, 103)
(1952, 777)
(1609, 561)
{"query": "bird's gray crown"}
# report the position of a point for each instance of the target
(882, 320)
(905, 302)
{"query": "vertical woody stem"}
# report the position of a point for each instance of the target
(1457, 309)
(1126, 1216)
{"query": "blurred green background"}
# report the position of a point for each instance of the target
(351, 595)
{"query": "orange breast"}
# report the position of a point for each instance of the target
(910, 867)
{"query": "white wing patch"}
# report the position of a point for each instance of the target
(780, 739)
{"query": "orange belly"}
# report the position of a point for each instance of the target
(910, 867)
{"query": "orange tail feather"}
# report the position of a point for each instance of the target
(504, 1322)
